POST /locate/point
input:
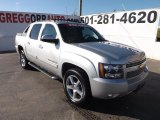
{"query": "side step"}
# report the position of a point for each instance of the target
(43, 71)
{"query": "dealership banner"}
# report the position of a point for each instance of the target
(138, 28)
(13, 22)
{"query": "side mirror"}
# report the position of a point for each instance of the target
(49, 38)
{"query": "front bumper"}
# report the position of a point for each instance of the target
(111, 88)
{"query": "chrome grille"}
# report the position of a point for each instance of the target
(135, 73)
(135, 63)
(135, 69)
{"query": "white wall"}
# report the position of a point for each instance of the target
(140, 35)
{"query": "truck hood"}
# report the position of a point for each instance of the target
(114, 52)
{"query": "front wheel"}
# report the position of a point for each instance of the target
(77, 87)
(23, 60)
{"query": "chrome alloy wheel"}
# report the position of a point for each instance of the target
(74, 88)
(23, 60)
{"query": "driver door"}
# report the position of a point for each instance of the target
(48, 52)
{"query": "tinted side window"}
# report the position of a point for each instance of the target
(49, 30)
(35, 31)
(26, 30)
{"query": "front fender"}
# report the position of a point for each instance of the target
(80, 61)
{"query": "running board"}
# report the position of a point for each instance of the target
(43, 71)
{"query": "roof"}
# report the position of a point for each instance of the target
(61, 22)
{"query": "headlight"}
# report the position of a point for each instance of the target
(109, 71)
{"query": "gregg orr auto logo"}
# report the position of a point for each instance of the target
(11, 17)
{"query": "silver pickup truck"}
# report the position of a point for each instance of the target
(89, 65)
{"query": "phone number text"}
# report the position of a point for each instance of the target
(133, 17)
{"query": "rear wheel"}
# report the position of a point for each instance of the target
(23, 60)
(77, 87)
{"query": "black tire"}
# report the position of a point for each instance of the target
(23, 60)
(76, 87)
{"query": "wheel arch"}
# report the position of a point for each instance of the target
(67, 66)
(20, 48)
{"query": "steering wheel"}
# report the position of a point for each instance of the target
(86, 36)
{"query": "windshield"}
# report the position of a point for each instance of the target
(79, 33)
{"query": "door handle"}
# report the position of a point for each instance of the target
(40, 46)
(28, 43)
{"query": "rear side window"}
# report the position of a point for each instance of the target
(26, 30)
(35, 31)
